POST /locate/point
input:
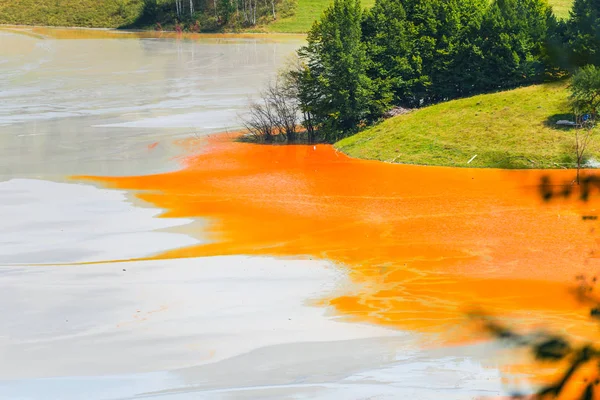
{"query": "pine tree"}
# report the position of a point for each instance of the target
(583, 33)
(337, 62)
(452, 18)
(465, 68)
(418, 47)
(391, 66)
(512, 40)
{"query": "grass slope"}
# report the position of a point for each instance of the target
(307, 12)
(513, 129)
(86, 13)
(561, 7)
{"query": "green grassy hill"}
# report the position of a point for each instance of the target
(307, 12)
(513, 129)
(86, 13)
(117, 13)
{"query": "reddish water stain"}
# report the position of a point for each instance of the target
(422, 245)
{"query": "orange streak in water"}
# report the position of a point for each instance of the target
(87, 33)
(423, 245)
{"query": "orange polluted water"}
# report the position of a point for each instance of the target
(91, 33)
(423, 245)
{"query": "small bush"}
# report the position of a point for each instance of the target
(196, 27)
(286, 8)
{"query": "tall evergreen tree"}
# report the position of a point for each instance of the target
(392, 65)
(337, 62)
(557, 55)
(465, 69)
(419, 52)
(424, 49)
(455, 21)
(512, 40)
(583, 33)
(585, 91)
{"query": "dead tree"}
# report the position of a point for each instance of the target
(583, 135)
(275, 116)
(260, 121)
(286, 108)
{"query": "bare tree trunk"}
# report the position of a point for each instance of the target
(577, 152)
(191, 7)
(310, 129)
(583, 136)
(215, 5)
(273, 5)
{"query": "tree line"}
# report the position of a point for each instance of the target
(359, 63)
(212, 15)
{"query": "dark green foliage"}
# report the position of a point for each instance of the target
(154, 11)
(456, 50)
(341, 94)
(225, 10)
(511, 40)
(432, 51)
(557, 56)
(302, 84)
(585, 90)
(211, 15)
(583, 33)
(413, 53)
(499, 48)
(388, 48)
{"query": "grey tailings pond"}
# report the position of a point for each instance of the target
(76, 324)
(92, 106)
